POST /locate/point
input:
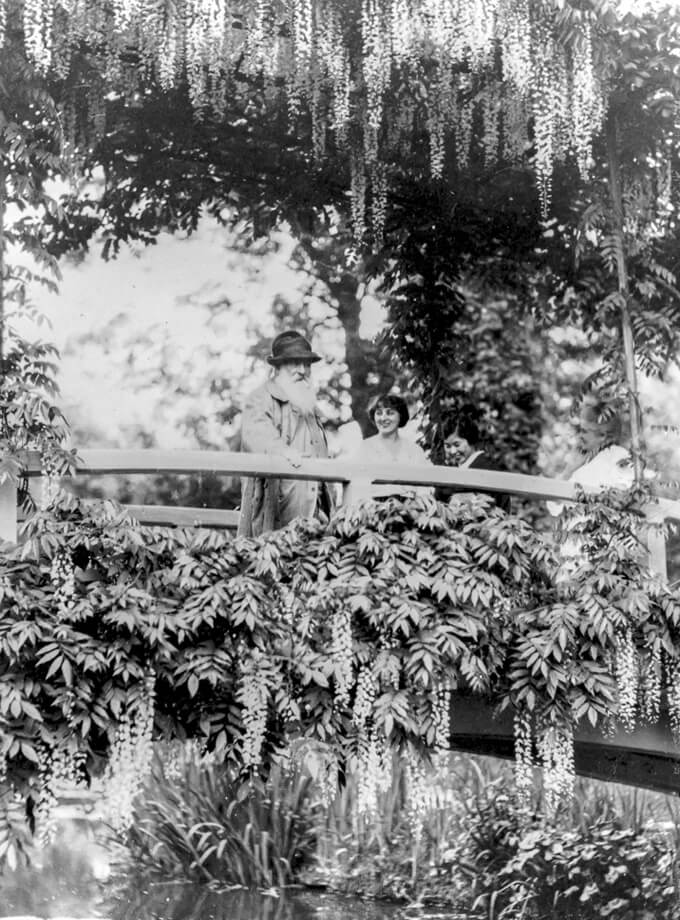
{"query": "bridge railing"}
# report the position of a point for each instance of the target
(234, 464)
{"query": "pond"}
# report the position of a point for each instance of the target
(193, 902)
(70, 879)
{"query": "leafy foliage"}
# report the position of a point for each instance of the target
(320, 642)
(195, 822)
(472, 351)
(528, 868)
(30, 152)
(364, 76)
(457, 283)
(476, 851)
(29, 416)
(390, 855)
(30, 157)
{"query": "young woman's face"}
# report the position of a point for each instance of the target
(386, 420)
(456, 449)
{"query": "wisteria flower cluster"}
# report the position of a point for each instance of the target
(367, 74)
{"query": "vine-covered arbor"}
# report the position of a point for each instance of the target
(572, 90)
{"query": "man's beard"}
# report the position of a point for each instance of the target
(300, 392)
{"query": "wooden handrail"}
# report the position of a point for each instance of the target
(229, 463)
(160, 515)
(176, 515)
(267, 466)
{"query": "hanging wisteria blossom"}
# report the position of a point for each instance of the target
(362, 71)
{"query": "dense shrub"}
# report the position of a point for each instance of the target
(531, 868)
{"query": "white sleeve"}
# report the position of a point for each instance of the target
(605, 470)
(580, 476)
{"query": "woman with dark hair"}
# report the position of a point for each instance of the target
(460, 450)
(389, 413)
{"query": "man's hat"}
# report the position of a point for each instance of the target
(291, 346)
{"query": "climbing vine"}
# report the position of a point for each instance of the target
(30, 159)
(370, 75)
(342, 643)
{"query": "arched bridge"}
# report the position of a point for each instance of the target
(645, 757)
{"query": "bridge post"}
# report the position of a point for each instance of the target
(656, 541)
(8, 509)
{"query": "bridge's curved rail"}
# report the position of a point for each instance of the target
(236, 464)
(645, 757)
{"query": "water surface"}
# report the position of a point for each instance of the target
(71, 879)
(168, 901)
(173, 902)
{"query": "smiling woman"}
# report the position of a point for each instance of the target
(389, 413)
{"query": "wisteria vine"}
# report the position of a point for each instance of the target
(338, 646)
(362, 70)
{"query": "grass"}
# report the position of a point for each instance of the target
(382, 856)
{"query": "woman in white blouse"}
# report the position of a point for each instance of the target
(610, 466)
(389, 414)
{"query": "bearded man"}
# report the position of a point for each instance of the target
(280, 418)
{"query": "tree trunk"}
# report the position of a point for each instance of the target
(361, 355)
(628, 340)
